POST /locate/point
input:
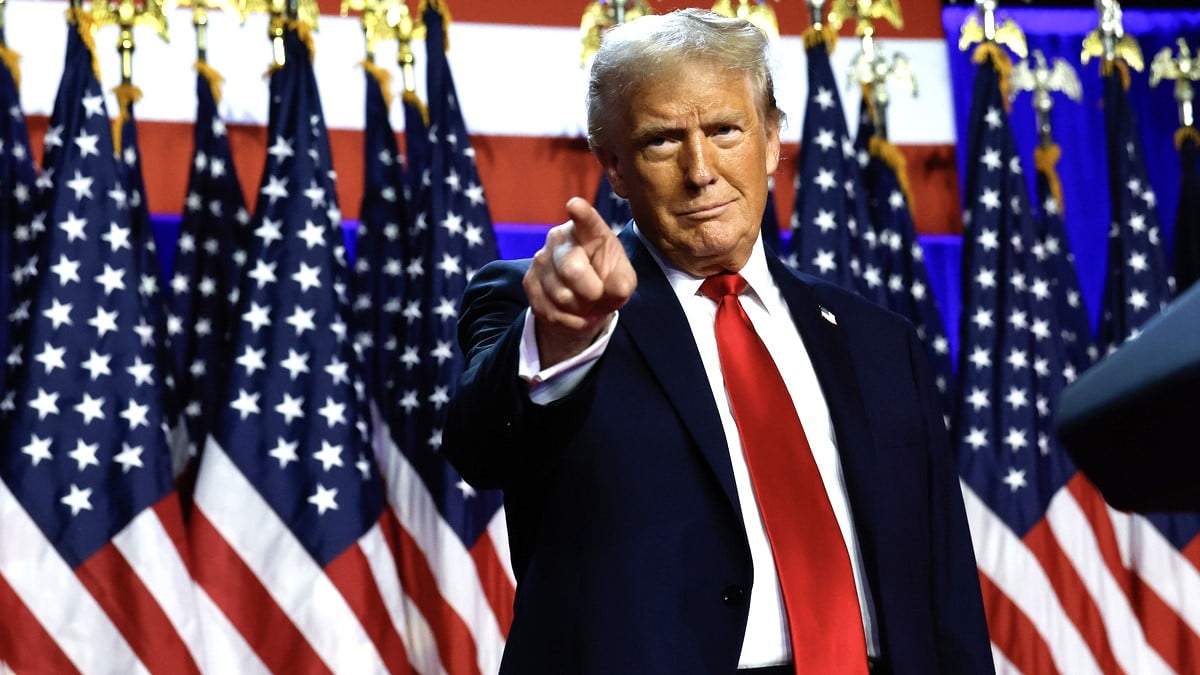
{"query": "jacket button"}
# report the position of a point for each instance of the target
(733, 595)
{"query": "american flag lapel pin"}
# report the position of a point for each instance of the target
(828, 316)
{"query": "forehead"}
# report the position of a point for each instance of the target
(691, 88)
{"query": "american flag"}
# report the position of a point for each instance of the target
(832, 235)
(87, 506)
(209, 257)
(17, 182)
(381, 243)
(1075, 328)
(454, 558)
(611, 206)
(901, 257)
(293, 543)
(1051, 554)
(416, 142)
(1187, 216)
(1164, 549)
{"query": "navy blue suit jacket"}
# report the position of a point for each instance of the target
(626, 535)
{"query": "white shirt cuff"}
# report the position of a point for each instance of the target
(557, 381)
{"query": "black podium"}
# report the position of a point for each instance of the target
(1132, 421)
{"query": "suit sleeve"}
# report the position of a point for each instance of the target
(959, 621)
(495, 435)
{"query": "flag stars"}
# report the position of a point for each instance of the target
(1015, 479)
(291, 408)
(285, 452)
(442, 352)
(446, 309)
(111, 279)
(329, 455)
(269, 231)
(81, 185)
(333, 412)
(97, 365)
(338, 370)
(312, 234)
(143, 373)
(276, 188)
(73, 226)
(258, 316)
(59, 313)
(295, 363)
(90, 408)
(88, 144)
(252, 359)
(78, 500)
(263, 273)
(302, 320)
(1017, 398)
(324, 499)
(246, 403)
(136, 415)
(825, 180)
(44, 403)
(38, 449)
(84, 454)
(130, 457)
(308, 277)
(51, 357)
(979, 399)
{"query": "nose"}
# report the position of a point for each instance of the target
(699, 161)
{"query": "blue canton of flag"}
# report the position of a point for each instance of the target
(901, 257)
(288, 503)
(416, 143)
(832, 235)
(209, 258)
(17, 204)
(1055, 251)
(381, 244)
(86, 493)
(1187, 215)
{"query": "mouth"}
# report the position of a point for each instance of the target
(704, 212)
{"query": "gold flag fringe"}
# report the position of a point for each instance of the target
(411, 98)
(440, 7)
(127, 95)
(897, 162)
(303, 31)
(827, 36)
(382, 77)
(1002, 65)
(82, 20)
(1045, 160)
(1186, 134)
(214, 78)
(1122, 68)
(12, 61)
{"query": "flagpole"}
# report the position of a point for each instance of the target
(1184, 69)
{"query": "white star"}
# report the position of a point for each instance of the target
(1015, 479)
(258, 316)
(1017, 398)
(252, 359)
(284, 452)
(1015, 439)
(1138, 299)
(38, 449)
(263, 272)
(52, 357)
(307, 277)
(111, 279)
(825, 180)
(302, 320)
(84, 454)
(990, 199)
(88, 144)
(982, 319)
(81, 185)
(324, 499)
(90, 408)
(97, 365)
(66, 269)
(337, 370)
(333, 412)
(446, 309)
(78, 500)
(981, 358)
(45, 403)
(282, 148)
(275, 189)
(291, 408)
(104, 322)
(329, 455)
(991, 159)
(269, 231)
(992, 118)
(145, 331)
(136, 414)
(825, 220)
(442, 352)
(129, 457)
(143, 373)
(978, 399)
(93, 105)
(824, 98)
(825, 262)
(246, 403)
(315, 194)
(439, 397)
(312, 234)
(73, 226)
(59, 314)
(295, 363)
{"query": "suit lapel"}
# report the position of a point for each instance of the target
(658, 328)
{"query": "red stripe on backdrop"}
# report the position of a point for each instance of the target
(1013, 632)
(456, 646)
(351, 574)
(1165, 631)
(248, 605)
(508, 165)
(1077, 603)
(496, 584)
(25, 646)
(126, 600)
(922, 18)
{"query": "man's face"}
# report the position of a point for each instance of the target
(692, 156)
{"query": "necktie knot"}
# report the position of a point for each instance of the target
(720, 285)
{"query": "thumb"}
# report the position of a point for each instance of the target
(588, 224)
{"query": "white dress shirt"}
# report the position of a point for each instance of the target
(766, 641)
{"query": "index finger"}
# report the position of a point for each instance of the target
(589, 225)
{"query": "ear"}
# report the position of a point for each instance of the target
(612, 169)
(772, 148)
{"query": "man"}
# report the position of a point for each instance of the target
(665, 517)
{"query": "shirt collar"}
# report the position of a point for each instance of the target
(686, 286)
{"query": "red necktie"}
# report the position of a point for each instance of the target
(810, 554)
